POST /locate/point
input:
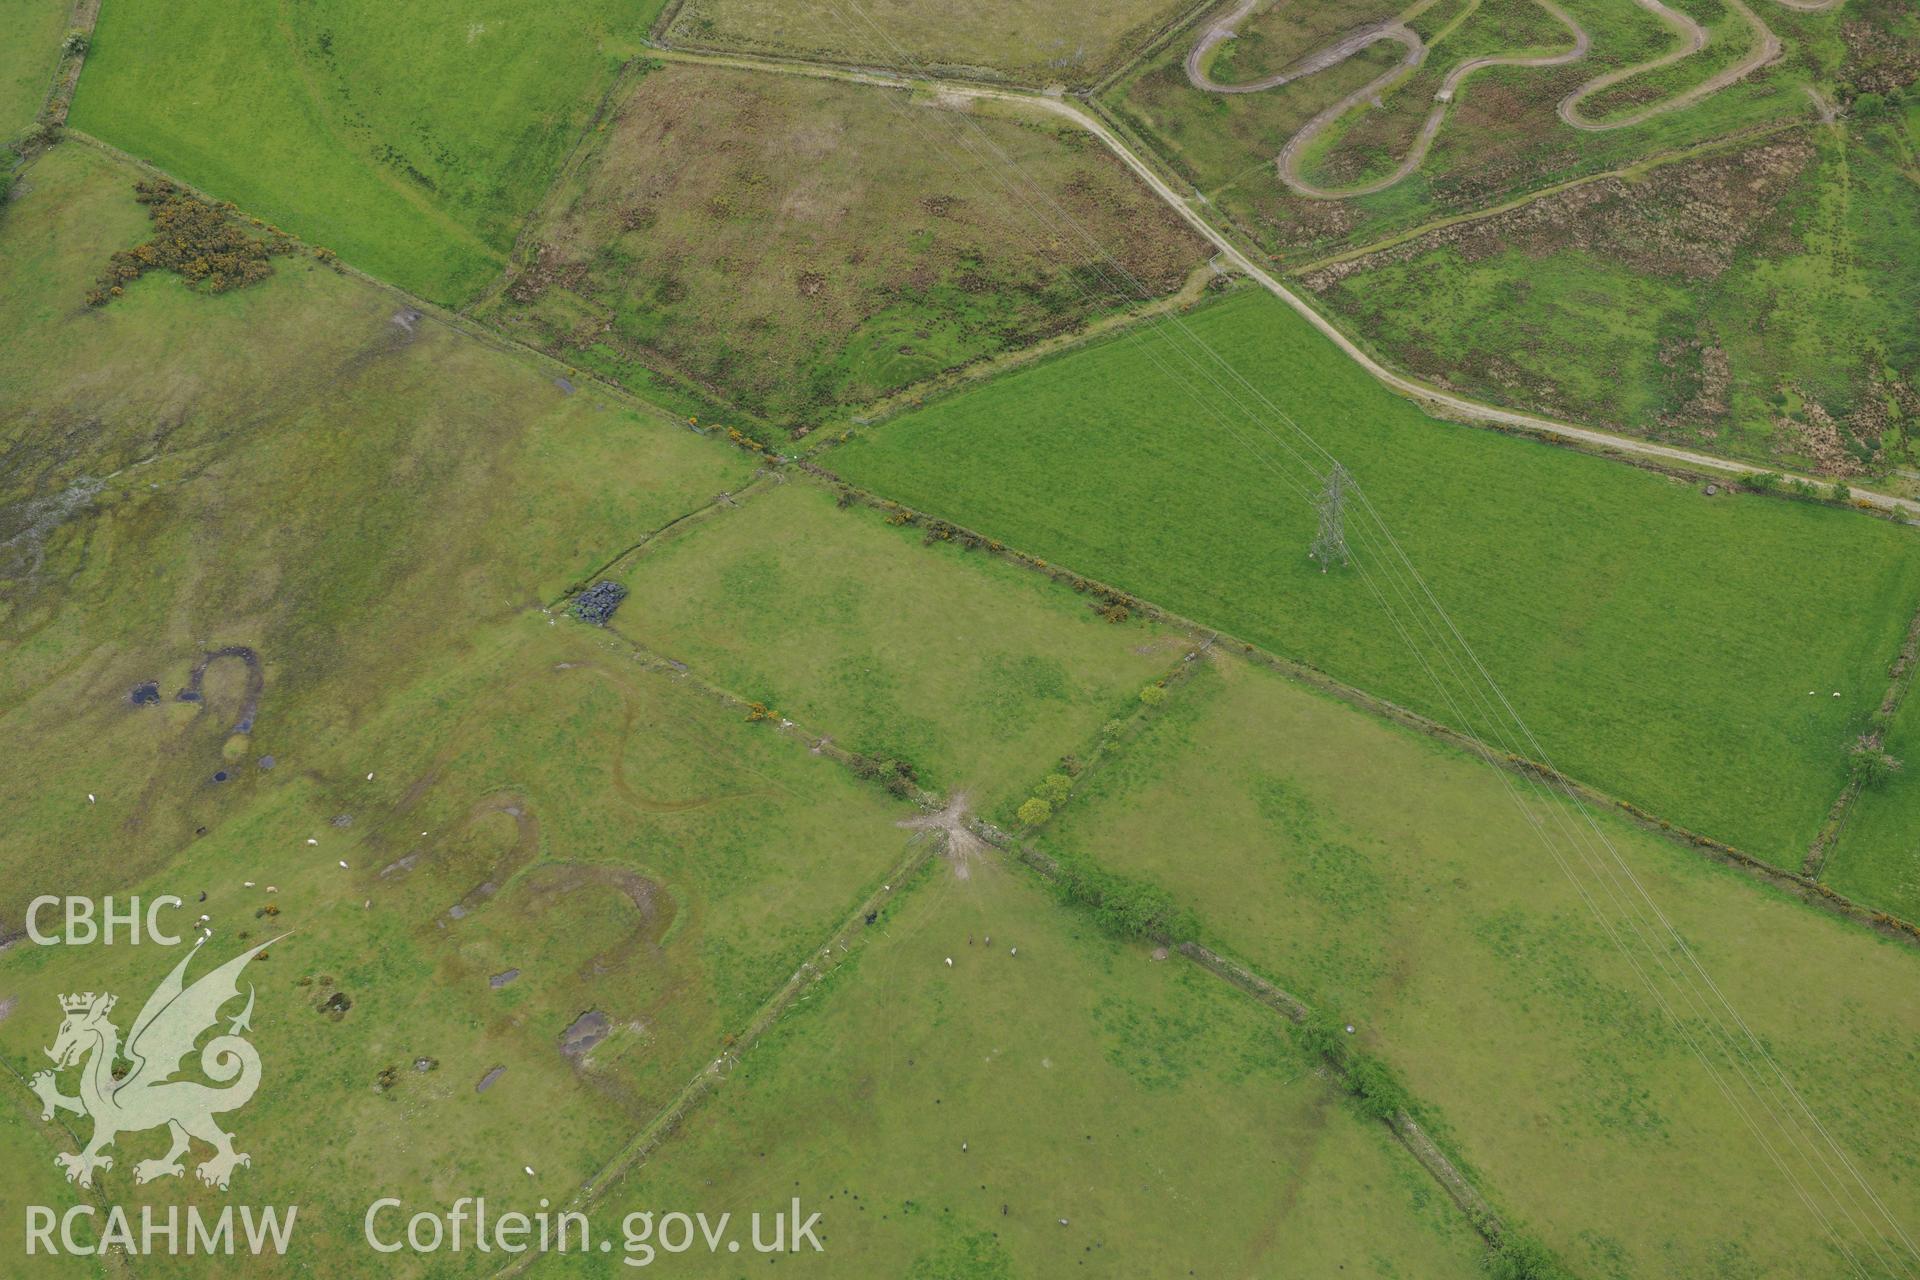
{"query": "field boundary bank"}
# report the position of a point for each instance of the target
(84, 17)
(1200, 640)
(1438, 403)
(623, 81)
(456, 321)
(1444, 406)
(1123, 60)
(111, 1262)
(1480, 1214)
(766, 478)
(1150, 49)
(1411, 1135)
(1647, 164)
(922, 847)
(1795, 882)
(1899, 683)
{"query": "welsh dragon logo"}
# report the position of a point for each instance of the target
(148, 1096)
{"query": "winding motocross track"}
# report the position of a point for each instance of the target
(1766, 49)
(1693, 36)
(1289, 162)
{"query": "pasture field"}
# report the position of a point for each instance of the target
(24, 1182)
(1037, 42)
(1751, 301)
(979, 673)
(302, 467)
(1877, 856)
(792, 246)
(1501, 137)
(411, 142)
(1644, 630)
(549, 831)
(34, 29)
(1078, 1108)
(1397, 884)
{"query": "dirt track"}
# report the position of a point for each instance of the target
(1766, 49)
(1289, 161)
(1694, 38)
(1462, 407)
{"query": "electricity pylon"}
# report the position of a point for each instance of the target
(1330, 543)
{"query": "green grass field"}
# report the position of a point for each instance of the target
(630, 846)
(684, 913)
(36, 1182)
(1638, 626)
(32, 47)
(1877, 856)
(1031, 41)
(979, 673)
(413, 143)
(946, 1120)
(842, 243)
(1395, 883)
(297, 467)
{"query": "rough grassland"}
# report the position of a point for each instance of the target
(27, 57)
(790, 245)
(626, 842)
(945, 1120)
(1396, 883)
(1651, 636)
(37, 1182)
(1877, 857)
(412, 141)
(1753, 302)
(1033, 41)
(978, 672)
(288, 467)
(1501, 138)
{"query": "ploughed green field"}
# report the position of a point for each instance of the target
(302, 467)
(1398, 884)
(549, 832)
(34, 29)
(1648, 634)
(979, 673)
(1031, 41)
(788, 245)
(411, 141)
(1077, 1108)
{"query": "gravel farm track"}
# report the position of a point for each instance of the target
(1188, 206)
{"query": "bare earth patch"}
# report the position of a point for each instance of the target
(962, 844)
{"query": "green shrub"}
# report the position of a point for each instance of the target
(1518, 1257)
(1874, 767)
(197, 239)
(1055, 788)
(1153, 695)
(1122, 906)
(1379, 1090)
(1034, 812)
